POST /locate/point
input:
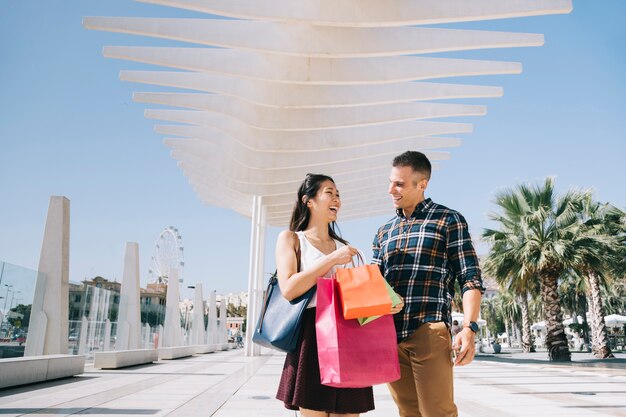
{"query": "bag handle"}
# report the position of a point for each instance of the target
(268, 294)
(360, 257)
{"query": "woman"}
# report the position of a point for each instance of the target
(310, 249)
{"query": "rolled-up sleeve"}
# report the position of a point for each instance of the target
(462, 258)
(376, 255)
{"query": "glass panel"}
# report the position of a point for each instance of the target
(17, 288)
(92, 304)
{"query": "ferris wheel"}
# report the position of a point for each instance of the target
(167, 256)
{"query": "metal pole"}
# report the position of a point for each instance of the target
(12, 296)
(4, 309)
(2, 273)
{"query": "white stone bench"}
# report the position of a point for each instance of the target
(31, 369)
(121, 358)
(227, 346)
(176, 352)
(205, 348)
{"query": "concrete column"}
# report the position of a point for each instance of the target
(48, 330)
(159, 336)
(260, 269)
(198, 331)
(222, 331)
(146, 340)
(129, 317)
(171, 329)
(255, 280)
(212, 326)
(82, 340)
(251, 316)
(107, 335)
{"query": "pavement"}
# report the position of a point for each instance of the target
(229, 384)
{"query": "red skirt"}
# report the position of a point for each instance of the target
(300, 385)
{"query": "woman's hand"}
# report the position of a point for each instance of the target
(343, 255)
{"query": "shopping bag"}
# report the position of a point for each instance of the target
(351, 355)
(280, 321)
(363, 292)
(395, 300)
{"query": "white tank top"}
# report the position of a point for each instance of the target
(309, 254)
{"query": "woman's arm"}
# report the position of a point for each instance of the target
(293, 283)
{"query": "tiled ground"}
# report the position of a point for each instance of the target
(228, 384)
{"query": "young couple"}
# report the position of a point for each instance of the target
(420, 252)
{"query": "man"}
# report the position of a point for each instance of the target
(421, 252)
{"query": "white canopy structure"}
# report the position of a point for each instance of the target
(273, 90)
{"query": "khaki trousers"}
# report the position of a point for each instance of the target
(425, 385)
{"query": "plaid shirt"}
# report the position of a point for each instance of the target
(420, 257)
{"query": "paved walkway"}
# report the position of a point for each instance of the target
(228, 384)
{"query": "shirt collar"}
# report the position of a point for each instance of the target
(423, 206)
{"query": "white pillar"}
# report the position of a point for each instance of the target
(223, 330)
(252, 316)
(107, 335)
(212, 326)
(159, 336)
(146, 337)
(260, 269)
(82, 340)
(172, 329)
(129, 317)
(48, 330)
(198, 331)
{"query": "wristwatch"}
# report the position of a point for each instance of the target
(473, 326)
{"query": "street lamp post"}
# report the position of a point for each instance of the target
(2, 273)
(6, 297)
(12, 296)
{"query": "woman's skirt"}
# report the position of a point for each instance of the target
(300, 385)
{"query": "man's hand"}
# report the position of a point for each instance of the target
(398, 307)
(464, 347)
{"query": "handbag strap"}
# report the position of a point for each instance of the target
(270, 287)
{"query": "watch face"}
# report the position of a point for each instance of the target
(473, 326)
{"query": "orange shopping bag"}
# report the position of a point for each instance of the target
(363, 292)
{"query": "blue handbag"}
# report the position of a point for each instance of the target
(280, 322)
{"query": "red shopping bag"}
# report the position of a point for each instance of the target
(351, 355)
(363, 292)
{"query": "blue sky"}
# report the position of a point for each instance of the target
(68, 127)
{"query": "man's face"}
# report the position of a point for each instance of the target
(406, 188)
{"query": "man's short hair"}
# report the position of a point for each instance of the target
(414, 159)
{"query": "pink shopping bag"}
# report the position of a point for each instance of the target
(351, 355)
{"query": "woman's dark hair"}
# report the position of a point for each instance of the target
(301, 214)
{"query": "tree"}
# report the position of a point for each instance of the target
(24, 312)
(543, 234)
(572, 293)
(509, 273)
(603, 225)
(489, 311)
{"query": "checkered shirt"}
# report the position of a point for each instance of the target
(420, 257)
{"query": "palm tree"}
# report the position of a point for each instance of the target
(573, 296)
(509, 275)
(541, 233)
(489, 312)
(605, 225)
(508, 307)
(614, 297)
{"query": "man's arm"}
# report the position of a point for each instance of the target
(464, 265)
(464, 344)
(376, 259)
